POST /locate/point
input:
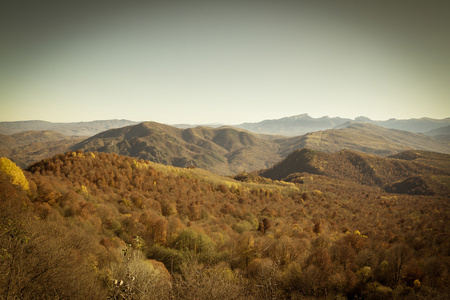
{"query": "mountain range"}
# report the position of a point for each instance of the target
(289, 126)
(302, 124)
(223, 149)
(75, 128)
(365, 137)
(228, 150)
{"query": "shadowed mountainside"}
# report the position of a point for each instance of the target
(438, 160)
(426, 173)
(228, 150)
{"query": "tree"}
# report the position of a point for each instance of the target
(136, 277)
(14, 173)
(397, 257)
(246, 248)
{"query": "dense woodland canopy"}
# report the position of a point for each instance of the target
(97, 226)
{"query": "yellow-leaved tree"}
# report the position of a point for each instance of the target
(14, 173)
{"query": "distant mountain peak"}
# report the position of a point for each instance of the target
(300, 117)
(362, 119)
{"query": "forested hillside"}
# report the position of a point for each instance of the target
(97, 225)
(412, 172)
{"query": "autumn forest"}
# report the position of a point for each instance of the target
(90, 225)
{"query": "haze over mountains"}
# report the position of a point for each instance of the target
(367, 138)
(289, 126)
(223, 150)
(74, 128)
(302, 124)
(440, 133)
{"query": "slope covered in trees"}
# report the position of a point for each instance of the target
(98, 225)
(424, 172)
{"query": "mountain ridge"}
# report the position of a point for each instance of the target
(303, 123)
(222, 150)
(227, 150)
(405, 172)
(365, 137)
(287, 126)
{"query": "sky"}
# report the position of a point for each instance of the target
(229, 62)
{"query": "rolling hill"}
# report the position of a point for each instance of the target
(25, 148)
(425, 173)
(364, 137)
(442, 133)
(228, 150)
(220, 150)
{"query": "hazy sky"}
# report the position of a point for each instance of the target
(223, 61)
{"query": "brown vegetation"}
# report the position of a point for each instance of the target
(97, 225)
(410, 172)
